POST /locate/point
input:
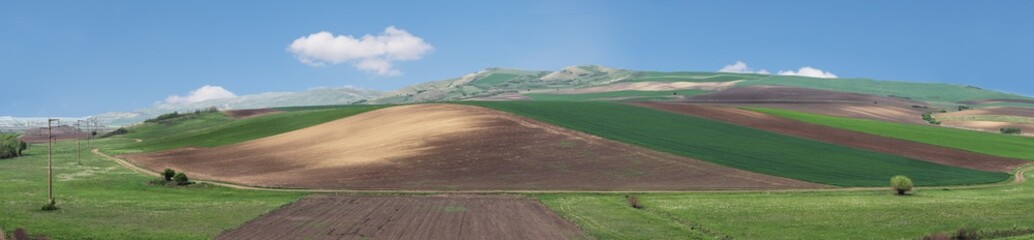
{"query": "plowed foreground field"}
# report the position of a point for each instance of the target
(920, 151)
(451, 147)
(826, 102)
(409, 217)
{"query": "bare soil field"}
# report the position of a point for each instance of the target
(409, 217)
(819, 101)
(986, 101)
(247, 113)
(39, 135)
(1000, 111)
(451, 147)
(959, 119)
(931, 153)
(990, 126)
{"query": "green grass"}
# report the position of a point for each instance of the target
(212, 130)
(494, 79)
(628, 94)
(982, 142)
(799, 215)
(740, 147)
(103, 200)
(930, 92)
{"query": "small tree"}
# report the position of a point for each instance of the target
(21, 147)
(168, 174)
(1010, 130)
(181, 179)
(901, 184)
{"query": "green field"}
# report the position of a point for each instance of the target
(740, 147)
(982, 142)
(624, 95)
(493, 79)
(216, 129)
(799, 215)
(937, 93)
(690, 77)
(103, 200)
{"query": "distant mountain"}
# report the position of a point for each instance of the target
(313, 97)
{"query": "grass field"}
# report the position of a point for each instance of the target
(103, 200)
(798, 215)
(629, 94)
(982, 142)
(216, 129)
(740, 147)
(494, 79)
(930, 92)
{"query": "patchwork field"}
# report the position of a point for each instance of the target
(615, 95)
(451, 147)
(741, 147)
(843, 104)
(981, 142)
(947, 94)
(409, 217)
(926, 152)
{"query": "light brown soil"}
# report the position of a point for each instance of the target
(931, 153)
(833, 103)
(1002, 111)
(451, 147)
(443, 217)
(247, 113)
(989, 126)
(60, 133)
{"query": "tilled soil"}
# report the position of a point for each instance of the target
(920, 151)
(444, 217)
(451, 147)
(826, 102)
(247, 113)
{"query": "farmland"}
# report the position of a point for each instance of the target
(947, 94)
(982, 142)
(740, 147)
(623, 95)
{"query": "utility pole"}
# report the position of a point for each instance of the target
(50, 161)
(79, 142)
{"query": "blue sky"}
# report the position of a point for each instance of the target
(78, 58)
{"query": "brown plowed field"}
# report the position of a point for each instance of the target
(444, 217)
(819, 101)
(60, 133)
(931, 153)
(247, 113)
(451, 147)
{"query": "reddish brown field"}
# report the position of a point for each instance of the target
(451, 147)
(60, 133)
(931, 153)
(247, 113)
(444, 217)
(833, 103)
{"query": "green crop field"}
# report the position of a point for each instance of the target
(215, 129)
(494, 79)
(982, 142)
(624, 95)
(930, 92)
(103, 200)
(740, 147)
(799, 215)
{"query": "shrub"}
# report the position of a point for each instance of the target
(168, 174)
(10, 146)
(181, 179)
(22, 147)
(1010, 130)
(633, 201)
(901, 184)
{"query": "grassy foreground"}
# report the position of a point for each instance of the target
(799, 215)
(982, 142)
(103, 200)
(741, 147)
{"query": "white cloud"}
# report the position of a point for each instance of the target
(206, 92)
(809, 72)
(371, 53)
(741, 67)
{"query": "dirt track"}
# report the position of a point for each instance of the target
(818, 101)
(409, 217)
(942, 155)
(247, 113)
(451, 147)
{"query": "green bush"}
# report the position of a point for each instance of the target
(168, 174)
(1010, 130)
(10, 146)
(181, 179)
(901, 184)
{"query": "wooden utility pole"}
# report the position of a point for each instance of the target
(50, 162)
(78, 142)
